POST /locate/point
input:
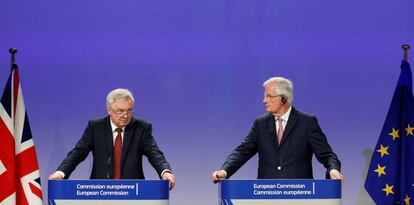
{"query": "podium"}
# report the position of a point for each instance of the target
(106, 192)
(280, 192)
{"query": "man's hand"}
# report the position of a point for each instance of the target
(56, 175)
(335, 174)
(170, 177)
(218, 175)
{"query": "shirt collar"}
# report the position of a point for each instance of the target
(285, 117)
(113, 126)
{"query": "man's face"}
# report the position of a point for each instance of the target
(272, 100)
(121, 112)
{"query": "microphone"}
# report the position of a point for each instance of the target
(109, 167)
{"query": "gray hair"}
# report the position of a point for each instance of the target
(284, 87)
(119, 94)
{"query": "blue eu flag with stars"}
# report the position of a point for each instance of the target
(390, 178)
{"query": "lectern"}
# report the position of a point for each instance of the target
(106, 192)
(280, 192)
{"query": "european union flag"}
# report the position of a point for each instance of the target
(390, 178)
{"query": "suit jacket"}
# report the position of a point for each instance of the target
(292, 159)
(98, 138)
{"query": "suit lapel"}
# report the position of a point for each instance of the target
(271, 123)
(293, 118)
(127, 139)
(109, 141)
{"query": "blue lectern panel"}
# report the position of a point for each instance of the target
(102, 192)
(284, 192)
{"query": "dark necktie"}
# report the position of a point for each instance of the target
(117, 154)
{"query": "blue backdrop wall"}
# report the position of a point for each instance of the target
(196, 69)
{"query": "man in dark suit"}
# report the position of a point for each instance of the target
(118, 143)
(285, 139)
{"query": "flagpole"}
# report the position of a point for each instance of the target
(12, 51)
(405, 47)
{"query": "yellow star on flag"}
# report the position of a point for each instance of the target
(383, 150)
(409, 130)
(407, 199)
(394, 134)
(380, 170)
(388, 189)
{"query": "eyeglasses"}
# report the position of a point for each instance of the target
(122, 112)
(271, 97)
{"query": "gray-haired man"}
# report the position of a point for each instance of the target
(285, 139)
(118, 143)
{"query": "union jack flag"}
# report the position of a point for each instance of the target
(19, 169)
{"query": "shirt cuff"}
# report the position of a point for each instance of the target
(61, 173)
(165, 170)
(334, 170)
(225, 173)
